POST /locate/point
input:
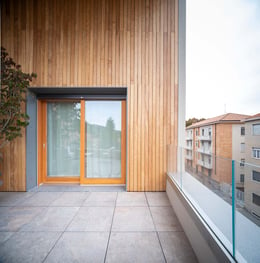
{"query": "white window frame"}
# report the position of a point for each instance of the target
(256, 153)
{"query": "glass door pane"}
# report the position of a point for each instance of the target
(103, 139)
(63, 139)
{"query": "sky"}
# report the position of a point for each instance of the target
(222, 57)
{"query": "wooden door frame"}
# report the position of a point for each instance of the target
(42, 148)
(122, 180)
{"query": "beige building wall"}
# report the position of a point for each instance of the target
(238, 152)
(251, 186)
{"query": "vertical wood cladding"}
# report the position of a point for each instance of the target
(127, 43)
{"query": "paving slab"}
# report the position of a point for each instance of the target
(13, 198)
(52, 219)
(132, 219)
(79, 247)
(157, 199)
(176, 247)
(28, 247)
(92, 219)
(13, 218)
(165, 219)
(131, 199)
(41, 199)
(134, 247)
(70, 199)
(101, 199)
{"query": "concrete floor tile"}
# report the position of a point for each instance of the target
(101, 199)
(41, 199)
(176, 247)
(70, 199)
(13, 218)
(79, 247)
(27, 247)
(134, 247)
(131, 199)
(92, 219)
(4, 236)
(157, 199)
(52, 219)
(13, 198)
(132, 219)
(165, 219)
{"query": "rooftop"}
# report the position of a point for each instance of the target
(228, 117)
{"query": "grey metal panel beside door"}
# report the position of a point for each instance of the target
(31, 142)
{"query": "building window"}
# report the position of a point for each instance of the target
(242, 163)
(242, 178)
(256, 199)
(196, 132)
(209, 132)
(242, 147)
(202, 132)
(256, 153)
(196, 143)
(256, 129)
(256, 176)
(242, 131)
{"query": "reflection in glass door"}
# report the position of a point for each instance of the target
(63, 139)
(103, 130)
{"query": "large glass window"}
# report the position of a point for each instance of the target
(103, 139)
(256, 176)
(256, 129)
(63, 139)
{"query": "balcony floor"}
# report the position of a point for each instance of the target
(67, 225)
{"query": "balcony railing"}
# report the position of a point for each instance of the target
(188, 147)
(189, 156)
(205, 164)
(205, 151)
(231, 212)
(205, 137)
(189, 137)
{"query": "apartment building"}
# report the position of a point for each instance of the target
(251, 173)
(212, 144)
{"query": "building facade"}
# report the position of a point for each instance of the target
(215, 142)
(252, 165)
(115, 60)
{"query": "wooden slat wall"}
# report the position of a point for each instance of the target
(124, 43)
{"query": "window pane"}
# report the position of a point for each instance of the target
(256, 199)
(103, 139)
(256, 176)
(256, 129)
(63, 139)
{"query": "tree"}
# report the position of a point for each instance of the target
(192, 121)
(14, 84)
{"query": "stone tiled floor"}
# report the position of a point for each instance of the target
(70, 225)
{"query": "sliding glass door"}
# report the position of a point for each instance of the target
(63, 139)
(82, 141)
(103, 139)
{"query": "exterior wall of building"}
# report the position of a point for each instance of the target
(98, 43)
(223, 153)
(251, 186)
(238, 153)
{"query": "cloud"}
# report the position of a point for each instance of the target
(223, 57)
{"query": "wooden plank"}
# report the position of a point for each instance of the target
(104, 43)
